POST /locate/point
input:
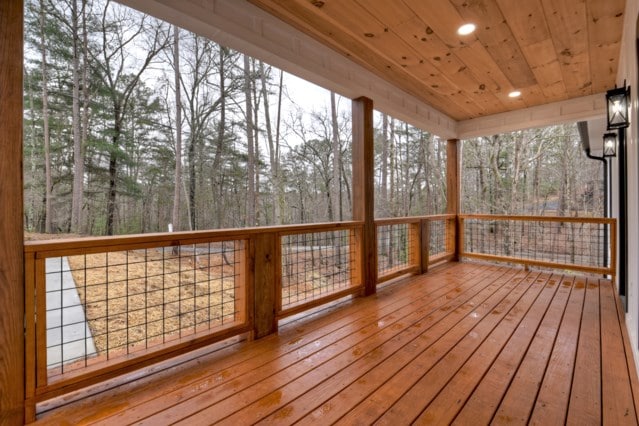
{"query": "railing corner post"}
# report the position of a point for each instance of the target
(458, 238)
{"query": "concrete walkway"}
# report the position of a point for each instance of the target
(68, 335)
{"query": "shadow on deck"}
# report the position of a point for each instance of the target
(466, 343)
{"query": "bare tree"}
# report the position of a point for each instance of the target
(384, 166)
(175, 216)
(337, 160)
(273, 144)
(119, 30)
(78, 157)
(45, 120)
(251, 198)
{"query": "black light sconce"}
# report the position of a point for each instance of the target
(609, 144)
(618, 100)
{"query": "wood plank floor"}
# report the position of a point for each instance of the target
(466, 344)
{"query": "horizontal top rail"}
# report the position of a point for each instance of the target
(603, 220)
(55, 248)
(412, 219)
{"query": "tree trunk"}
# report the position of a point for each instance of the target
(86, 100)
(48, 228)
(281, 202)
(221, 134)
(113, 171)
(78, 159)
(175, 216)
(273, 147)
(337, 159)
(250, 208)
(192, 183)
(256, 139)
(384, 159)
(393, 165)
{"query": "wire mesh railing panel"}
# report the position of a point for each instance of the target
(395, 245)
(439, 237)
(314, 265)
(568, 243)
(103, 306)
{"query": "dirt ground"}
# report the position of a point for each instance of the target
(132, 298)
(139, 298)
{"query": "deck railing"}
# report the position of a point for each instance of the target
(318, 264)
(98, 307)
(412, 244)
(102, 305)
(571, 243)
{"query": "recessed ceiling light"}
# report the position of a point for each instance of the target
(514, 94)
(466, 29)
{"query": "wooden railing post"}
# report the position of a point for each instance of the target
(415, 241)
(12, 341)
(240, 271)
(363, 189)
(424, 226)
(459, 237)
(453, 189)
(265, 258)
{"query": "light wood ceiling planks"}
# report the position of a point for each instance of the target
(550, 50)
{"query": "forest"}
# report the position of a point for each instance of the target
(132, 124)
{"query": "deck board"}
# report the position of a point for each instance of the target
(585, 397)
(465, 344)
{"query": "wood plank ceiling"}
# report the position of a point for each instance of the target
(550, 50)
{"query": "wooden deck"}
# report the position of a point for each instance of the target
(464, 344)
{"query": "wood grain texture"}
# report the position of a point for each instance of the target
(364, 189)
(453, 194)
(550, 51)
(449, 346)
(12, 342)
(264, 257)
(585, 396)
(452, 176)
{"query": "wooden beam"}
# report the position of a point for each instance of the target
(12, 340)
(264, 257)
(452, 177)
(363, 188)
(453, 171)
(569, 111)
(425, 242)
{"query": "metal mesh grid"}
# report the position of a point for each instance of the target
(315, 265)
(106, 305)
(395, 243)
(568, 243)
(438, 234)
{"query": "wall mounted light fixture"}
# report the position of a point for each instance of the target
(617, 101)
(610, 145)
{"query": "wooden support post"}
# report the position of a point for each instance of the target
(415, 245)
(460, 236)
(264, 257)
(12, 342)
(453, 189)
(425, 244)
(363, 189)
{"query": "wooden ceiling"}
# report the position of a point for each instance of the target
(550, 50)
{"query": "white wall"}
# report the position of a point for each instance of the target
(628, 71)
